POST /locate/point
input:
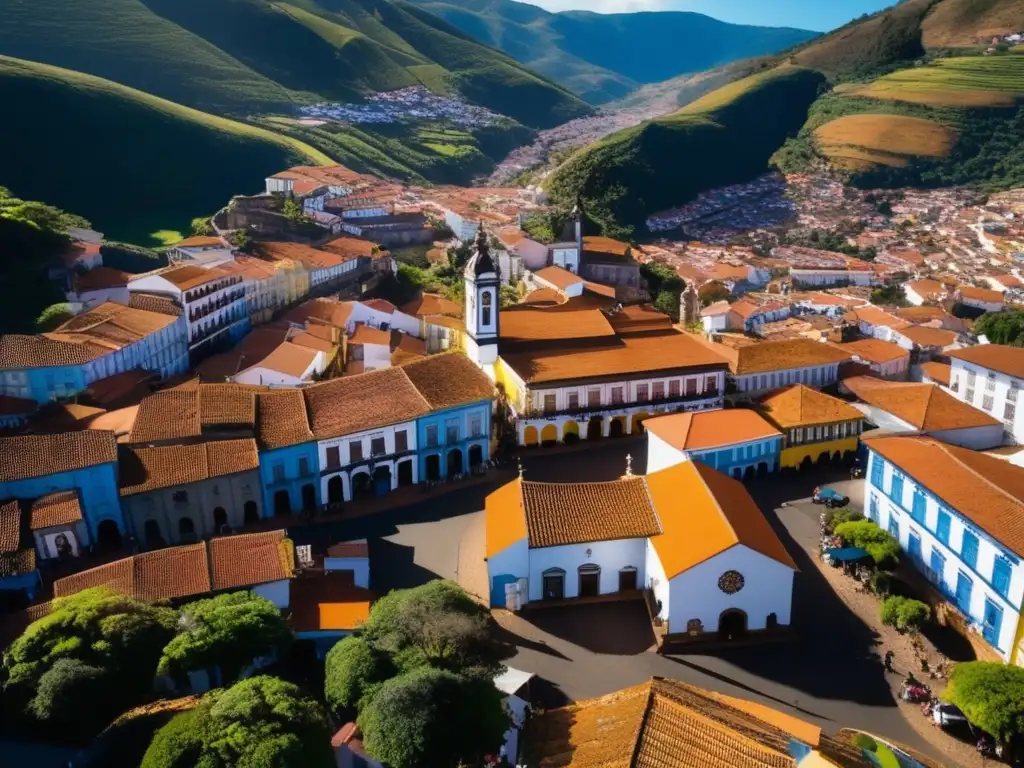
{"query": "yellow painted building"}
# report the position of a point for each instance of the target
(815, 426)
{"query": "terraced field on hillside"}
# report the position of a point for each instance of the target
(975, 81)
(858, 141)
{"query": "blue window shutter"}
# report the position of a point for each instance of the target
(1001, 576)
(942, 527)
(877, 472)
(918, 511)
(969, 549)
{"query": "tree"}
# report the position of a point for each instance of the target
(72, 699)
(354, 671)
(661, 278)
(668, 303)
(261, 721)
(711, 292)
(436, 624)
(53, 317)
(1002, 327)
(114, 633)
(991, 695)
(293, 211)
(890, 294)
(433, 717)
(904, 614)
(131, 258)
(228, 632)
(242, 240)
(881, 545)
(202, 226)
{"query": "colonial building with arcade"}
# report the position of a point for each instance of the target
(584, 367)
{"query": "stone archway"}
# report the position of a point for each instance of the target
(282, 503)
(549, 435)
(570, 432)
(732, 624)
(220, 520)
(531, 436)
(454, 463)
(382, 479)
(617, 427)
(154, 537)
(362, 485)
(186, 529)
(251, 512)
(405, 473)
(476, 456)
(434, 466)
(309, 497)
(595, 428)
(638, 422)
(335, 490)
(108, 536)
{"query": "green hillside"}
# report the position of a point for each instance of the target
(129, 162)
(603, 57)
(238, 57)
(708, 143)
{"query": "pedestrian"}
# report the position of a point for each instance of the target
(888, 661)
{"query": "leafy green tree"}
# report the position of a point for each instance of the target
(881, 545)
(121, 636)
(668, 303)
(201, 226)
(436, 624)
(354, 671)
(131, 258)
(293, 211)
(904, 614)
(73, 699)
(991, 695)
(433, 717)
(711, 292)
(228, 632)
(890, 294)
(661, 278)
(43, 216)
(1002, 327)
(53, 317)
(261, 721)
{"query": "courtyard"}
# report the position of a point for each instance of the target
(830, 673)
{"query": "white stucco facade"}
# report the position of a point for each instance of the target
(610, 556)
(816, 376)
(993, 392)
(375, 452)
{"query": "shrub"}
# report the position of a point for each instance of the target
(905, 614)
(53, 317)
(881, 545)
(881, 583)
(353, 671)
(836, 517)
(990, 695)
(72, 697)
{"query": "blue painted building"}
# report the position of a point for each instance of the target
(104, 341)
(37, 466)
(738, 442)
(289, 463)
(956, 514)
(17, 552)
(455, 436)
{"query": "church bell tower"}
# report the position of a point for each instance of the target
(483, 295)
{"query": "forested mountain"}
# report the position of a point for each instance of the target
(918, 94)
(604, 56)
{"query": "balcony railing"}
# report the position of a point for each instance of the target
(539, 413)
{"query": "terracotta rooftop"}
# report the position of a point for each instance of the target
(800, 406)
(638, 318)
(874, 316)
(578, 513)
(874, 350)
(168, 415)
(980, 294)
(60, 508)
(927, 407)
(937, 372)
(25, 456)
(282, 419)
(626, 356)
(561, 322)
(923, 336)
(10, 525)
(226, 404)
(381, 305)
(669, 724)
(349, 248)
(710, 429)
(358, 549)
(328, 311)
(251, 558)
(312, 341)
(558, 277)
(995, 357)
(309, 257)
(128, 386)
(987, 491)
(290, 359)
(364, 334)
(605, 245)
(703, 513)
(544, 297)
(718, 308)
(364, 401)
(189, 276)
(427, 304)
(99, 279)
(163, 574)
(931, 290)
(782, 355)
(149, 469)
(920, 314)
(21, 351)
(200, 241)
(448, 380)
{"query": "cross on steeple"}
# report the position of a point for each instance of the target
(629, 465)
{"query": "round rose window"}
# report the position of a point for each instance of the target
(730, 582)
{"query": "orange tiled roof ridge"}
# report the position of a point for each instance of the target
(799, 405)
(997, 357)
(924, 406)
(25, 456)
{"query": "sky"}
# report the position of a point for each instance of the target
(818, 15)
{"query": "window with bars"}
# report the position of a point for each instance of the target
(432, 436)
(969, 396)
(971, 378)
(642, 393)
(377, 446)
(451, 426)
(1011, 393)
(550, 403)
(1009, 412)
(616, 395)
(658, 392)
(278, 472)
(593, 397)
(675, 388)
(401, 441)
(987, 402)
(333, 456)
(573, 400)
(990, 382)
(476, 425)
(303, 466)
(355, 450)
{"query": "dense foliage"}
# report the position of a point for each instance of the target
(433, 717)
(713, 291)
(892, 295)
(111, 637)
(664, 287)
(131, 258)
(991, 695)
(836, 517)
(420, 676)
(665, 162)
(1002, 327)
(354, 671)
(881, 545)
(53, 316)
(261, 721)
(904, 613)
(228, 632)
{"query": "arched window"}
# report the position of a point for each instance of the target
(220, 520)
(485, 308)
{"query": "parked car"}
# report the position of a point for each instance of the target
(829, 497)
(945, 714)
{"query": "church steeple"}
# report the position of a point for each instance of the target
(483, 285)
